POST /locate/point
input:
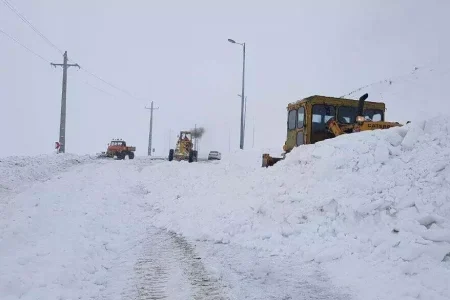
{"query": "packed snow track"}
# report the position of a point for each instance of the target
(82, 229)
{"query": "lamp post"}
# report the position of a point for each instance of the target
(245, 112)
(243, 92)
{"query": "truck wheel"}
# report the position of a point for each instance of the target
(195, 155)
(191, 156)
(131, 155)
(171, 151)
(120, 155)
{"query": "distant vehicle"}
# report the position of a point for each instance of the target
(119, 149)
(184, 149)
(214, 155)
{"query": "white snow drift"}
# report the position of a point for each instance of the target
(372, 209)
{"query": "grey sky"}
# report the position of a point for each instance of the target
(176, 53)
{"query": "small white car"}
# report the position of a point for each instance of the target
(214, 155)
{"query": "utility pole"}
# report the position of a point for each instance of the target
(149, 153)
(245, 113)
(62, 123)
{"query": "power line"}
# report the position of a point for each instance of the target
(95, 87)
(99, 89)
(25, 20)
(23, 46)
(45, 60)
(110, 84)
(390, 81)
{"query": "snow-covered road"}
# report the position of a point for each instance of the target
(86, 232)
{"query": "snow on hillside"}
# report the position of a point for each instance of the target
(372, 208)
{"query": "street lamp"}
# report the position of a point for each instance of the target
(245, 111)
(242, 94)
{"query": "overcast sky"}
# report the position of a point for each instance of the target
(176, 54)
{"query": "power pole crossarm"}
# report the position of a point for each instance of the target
(68, 65)
(150, 132)
(62, 124)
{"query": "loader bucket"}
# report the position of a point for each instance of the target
(268, 161)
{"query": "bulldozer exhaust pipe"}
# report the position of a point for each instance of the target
(362, 99)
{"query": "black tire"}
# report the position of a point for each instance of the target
(171, 151)
(120, 155)
(191, 156)
(195, 155)
(130, 155)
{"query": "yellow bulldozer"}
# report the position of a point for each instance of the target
(184, 149)
(318, 118)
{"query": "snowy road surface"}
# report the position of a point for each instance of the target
(87, 234)
(364, 216)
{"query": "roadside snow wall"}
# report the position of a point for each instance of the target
(373, 208)
(18, 172)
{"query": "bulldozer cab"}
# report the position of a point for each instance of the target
(307, 118)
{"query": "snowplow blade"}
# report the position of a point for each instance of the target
(102, 155)
(268, 161)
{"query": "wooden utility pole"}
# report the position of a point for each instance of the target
(62, 123)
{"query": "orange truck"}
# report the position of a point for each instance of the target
(119, 149)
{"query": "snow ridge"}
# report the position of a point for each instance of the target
(372, 208)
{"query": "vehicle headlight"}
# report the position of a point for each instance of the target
(360, 119)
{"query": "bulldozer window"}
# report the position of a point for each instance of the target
(347, 114)
(301, 117)
(375, 115)
(321, 113)
(292, 119)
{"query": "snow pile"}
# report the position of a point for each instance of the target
(75, 236)
(20, 171)
(372, 208)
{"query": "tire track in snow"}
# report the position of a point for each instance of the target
(170, 269)
(205, 286)
(254, 274)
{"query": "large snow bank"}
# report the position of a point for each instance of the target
(372, 208)
(70, 237)
(20, 171)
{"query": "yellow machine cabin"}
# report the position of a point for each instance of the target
(318, 118)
